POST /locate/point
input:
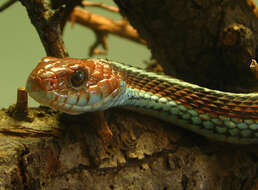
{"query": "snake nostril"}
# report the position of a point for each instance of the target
(35, 84)
(32, 85)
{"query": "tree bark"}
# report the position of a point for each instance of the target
(210, 43)
(58, 151)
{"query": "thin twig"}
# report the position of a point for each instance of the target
(101, 5)
(101, 39)
(254, 68)
(7, 4)
(100, 23)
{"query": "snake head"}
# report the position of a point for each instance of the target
(75, 85)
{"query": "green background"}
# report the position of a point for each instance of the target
(21, 49)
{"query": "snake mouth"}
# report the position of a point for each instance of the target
(40, 91)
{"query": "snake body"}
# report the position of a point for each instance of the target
(101, 84)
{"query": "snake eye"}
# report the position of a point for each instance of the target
(78, 77)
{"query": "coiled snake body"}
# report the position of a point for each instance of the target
(75, 86)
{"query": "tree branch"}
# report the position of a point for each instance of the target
(100, 23)
(101, 5)
(49, 24)
(7, 4)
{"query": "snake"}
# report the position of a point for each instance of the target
(75, 86)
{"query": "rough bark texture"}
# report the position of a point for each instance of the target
(210, 43)
(58, 151)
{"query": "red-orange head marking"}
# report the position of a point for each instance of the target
(74, 85)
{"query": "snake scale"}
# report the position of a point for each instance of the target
(75, 86)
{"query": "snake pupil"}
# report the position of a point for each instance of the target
(78, 77)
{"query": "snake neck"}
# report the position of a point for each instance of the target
(223, 116)
(142, 85)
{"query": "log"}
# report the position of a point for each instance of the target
(51, 150)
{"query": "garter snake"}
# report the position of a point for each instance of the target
(75, 86)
